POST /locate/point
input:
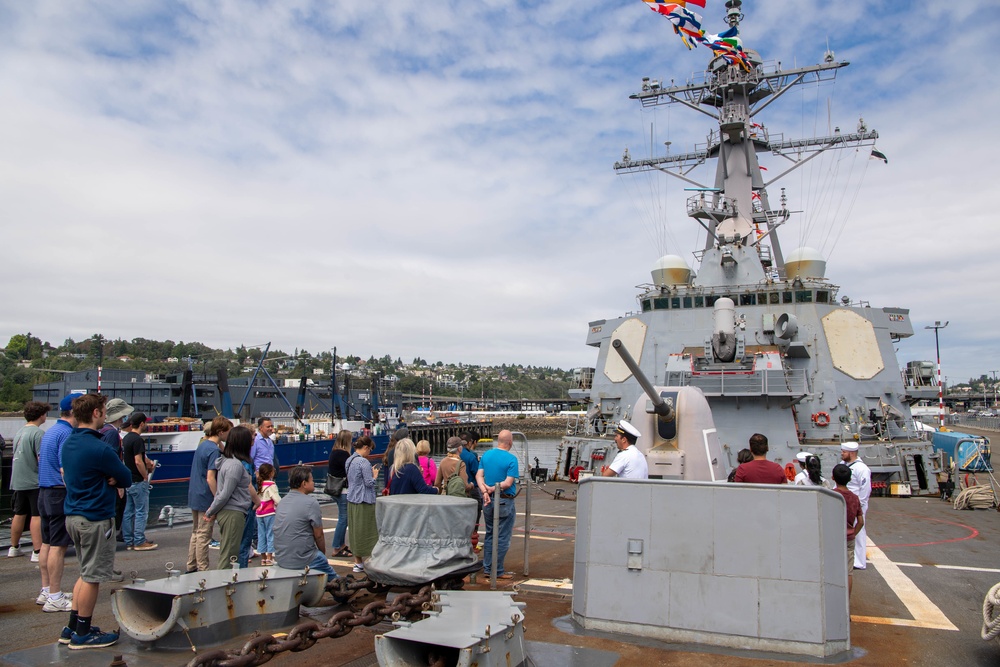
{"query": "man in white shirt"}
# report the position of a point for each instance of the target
(861, 486)
(629, 462)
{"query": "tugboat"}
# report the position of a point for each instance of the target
(762, 334)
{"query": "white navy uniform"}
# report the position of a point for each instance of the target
(630, 464)
(861, 485)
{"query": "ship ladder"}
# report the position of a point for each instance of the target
(911, 468)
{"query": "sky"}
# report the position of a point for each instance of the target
(435, 179)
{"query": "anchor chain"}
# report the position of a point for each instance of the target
(261, 648)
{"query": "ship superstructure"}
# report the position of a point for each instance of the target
(762, 334)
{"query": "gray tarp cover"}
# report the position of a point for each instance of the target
(421, 538)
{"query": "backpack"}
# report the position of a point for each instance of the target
(455, 486)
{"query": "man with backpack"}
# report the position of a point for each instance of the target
(452, 476)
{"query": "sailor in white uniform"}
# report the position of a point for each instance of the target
(629, 462)
(861, 485)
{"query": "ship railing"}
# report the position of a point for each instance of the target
(714, 206)
(790, 382)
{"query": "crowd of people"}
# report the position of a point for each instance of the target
(86, 482)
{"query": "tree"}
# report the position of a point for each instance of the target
(17, 346)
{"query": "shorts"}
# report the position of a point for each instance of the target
(95, 547)
(50, 508)
(25, 502)
(850, 556)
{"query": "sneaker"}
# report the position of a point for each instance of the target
(359, 567)
(14, 552)
(214, 544)
(42, 598)
(62, 604)
(96, 639)
(145, 546)
(34, 556)
(66, 635)
(128, 547)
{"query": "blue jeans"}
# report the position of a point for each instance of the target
(249, 535)
(265, 534)
(340, 534)
(507, 517)
(321, 564)
(136, 514)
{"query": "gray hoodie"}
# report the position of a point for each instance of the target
(232, 488)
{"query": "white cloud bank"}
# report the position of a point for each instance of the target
(435, 179)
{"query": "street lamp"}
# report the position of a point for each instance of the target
(994, 388)
(937, 347)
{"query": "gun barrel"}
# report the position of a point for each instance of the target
(660, 406)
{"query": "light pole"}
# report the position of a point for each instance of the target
(994, 387)
(937, 348)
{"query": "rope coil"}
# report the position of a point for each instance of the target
(991, 614)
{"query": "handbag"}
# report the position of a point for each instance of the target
(335, 486)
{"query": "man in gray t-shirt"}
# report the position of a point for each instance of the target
(24, 479)
(298, 526)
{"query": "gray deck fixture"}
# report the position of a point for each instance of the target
(745, 566)
(463, 628)
(206, 608)
(421, 538)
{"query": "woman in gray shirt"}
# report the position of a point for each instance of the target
(232, 497)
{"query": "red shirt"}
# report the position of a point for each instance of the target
(853, 509)
(760, 471)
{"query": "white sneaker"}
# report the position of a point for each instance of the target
(42, 598)
(62, 604)
(14, 552)
(34, 556)
(358, 567)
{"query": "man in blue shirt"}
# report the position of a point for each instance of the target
(472, 467)
(262, 450)
(92, 472)
(498, 470)
(51, 494)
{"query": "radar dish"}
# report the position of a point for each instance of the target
(853, 345)
(632, 334)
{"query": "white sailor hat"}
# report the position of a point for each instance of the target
(849, 446)
(624, 428)
(802, 456)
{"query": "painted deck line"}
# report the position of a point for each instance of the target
(963, 568)
(550, 516)
(925, 613)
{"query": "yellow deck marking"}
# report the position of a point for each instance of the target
(925, 613)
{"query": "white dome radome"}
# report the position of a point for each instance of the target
(805, 263)
(671, 270)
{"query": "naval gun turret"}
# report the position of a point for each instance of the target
(679, 438)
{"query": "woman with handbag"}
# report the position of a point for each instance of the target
(336, 485)
(361, 476)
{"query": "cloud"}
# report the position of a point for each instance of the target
(435, 179)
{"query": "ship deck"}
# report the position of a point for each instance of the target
(918, 603)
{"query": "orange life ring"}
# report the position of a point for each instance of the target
(574, 474)
(821, 418)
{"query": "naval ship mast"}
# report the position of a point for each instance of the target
(730, 213)
(760, 334)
